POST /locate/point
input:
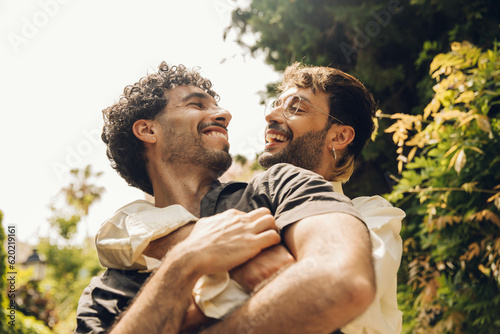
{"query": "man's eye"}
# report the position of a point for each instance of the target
(197, 104)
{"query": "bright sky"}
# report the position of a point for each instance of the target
(63, 61)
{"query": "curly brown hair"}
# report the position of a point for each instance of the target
(143, 100)
(349, 101)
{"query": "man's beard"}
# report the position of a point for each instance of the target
(305, 151)
(189, 149)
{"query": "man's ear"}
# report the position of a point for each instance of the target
(340, 136)
(144, 129)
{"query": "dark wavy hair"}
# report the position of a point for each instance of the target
(145, 99)
(350, 102)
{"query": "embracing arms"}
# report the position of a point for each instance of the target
(331, 283)
(215, 244)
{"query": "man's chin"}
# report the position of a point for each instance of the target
(268, 159)
(221, 162)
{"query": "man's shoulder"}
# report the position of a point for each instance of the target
(286, 173)
(286, 168)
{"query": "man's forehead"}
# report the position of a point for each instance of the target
(305, 93)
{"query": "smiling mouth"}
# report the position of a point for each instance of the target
(275, 138)
(216, 134)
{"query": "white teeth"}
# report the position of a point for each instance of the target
(216, 134)
(275, 137)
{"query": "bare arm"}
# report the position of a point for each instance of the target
(159, 247)
(331, 283)
(257, 271)
(216, 244)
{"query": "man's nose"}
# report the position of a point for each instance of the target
(220, 115)
(275, 115)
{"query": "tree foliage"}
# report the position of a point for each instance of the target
(378, 41)
(70, 269)
(78, 196)
(33, 301)
(70, 266)
(21, 324)
(450, 187)
(3, 325)
(49, 306)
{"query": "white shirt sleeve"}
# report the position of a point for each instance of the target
(216, 295)
(384, 223)
(121, 240)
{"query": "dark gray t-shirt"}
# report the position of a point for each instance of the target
(291, 193)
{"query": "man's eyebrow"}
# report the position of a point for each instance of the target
(198, 95)
(305, 99)
(301, 96)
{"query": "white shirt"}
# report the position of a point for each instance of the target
(121, 240)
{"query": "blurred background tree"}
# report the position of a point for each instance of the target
(3, 300)
(71, 265)
(22, 324)
(73, 202)
(387, 44)
(48, 304)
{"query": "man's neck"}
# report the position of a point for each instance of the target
(182, 184)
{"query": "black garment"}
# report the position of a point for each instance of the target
(105, 298)
(290, 193)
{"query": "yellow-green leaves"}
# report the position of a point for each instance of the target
(463, 94)
(449, 163)
(460, 161)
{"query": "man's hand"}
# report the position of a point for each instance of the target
(228, 239)
(262, 267)
(238, 225)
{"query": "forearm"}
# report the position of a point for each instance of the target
(304, 298)
(159, 307)
(159, 247)
(194, 319)
(330, 285)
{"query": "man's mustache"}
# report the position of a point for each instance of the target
(202, 126)
(275, 126)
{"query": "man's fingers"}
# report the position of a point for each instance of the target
(257, 213)
(264, 223)
(261, 219)
(267, 239)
